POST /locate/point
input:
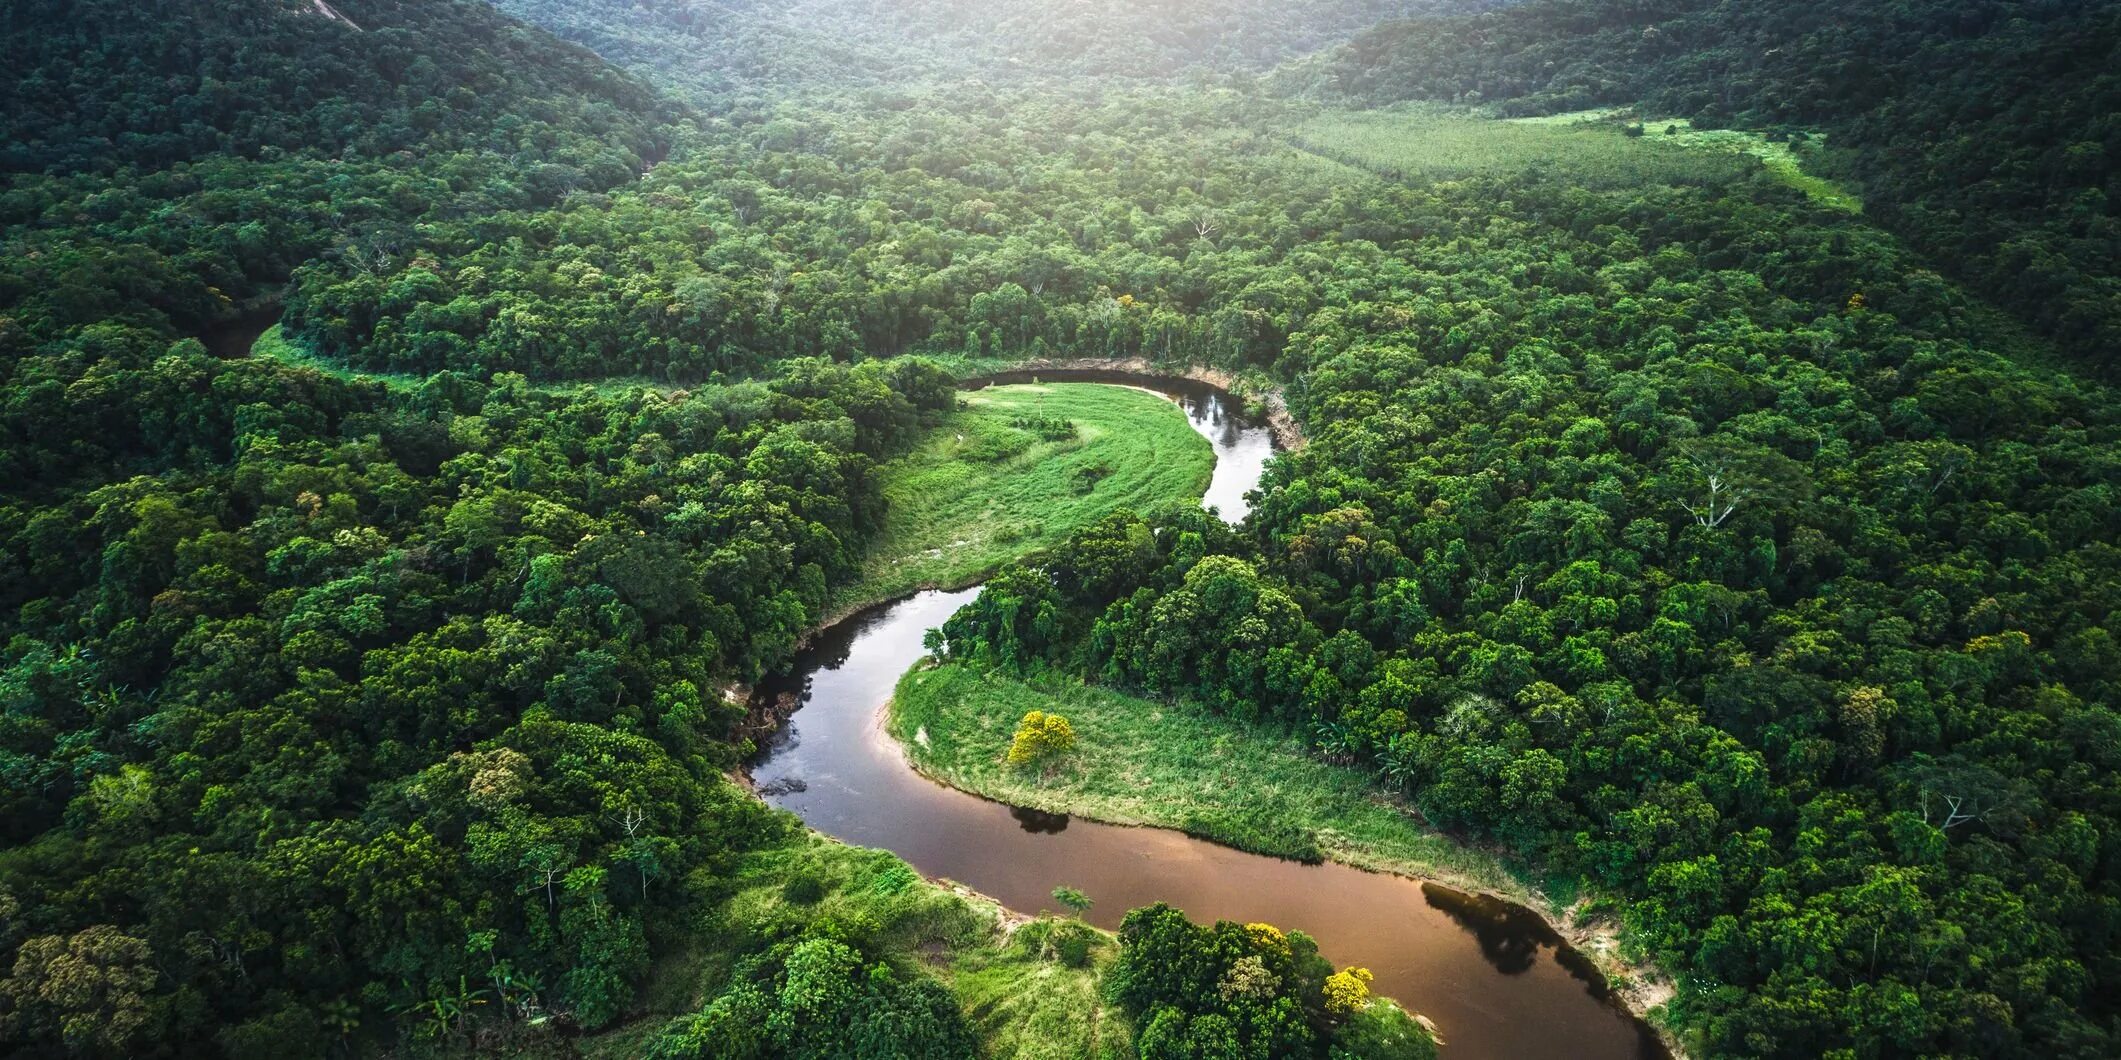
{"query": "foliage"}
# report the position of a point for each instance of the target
(2015, 199)
(1383, 1031)
(1076, 901)
(1597, 564)
(978, 490)
(1231, 991)
(1435, 143)
(88, 990)
(1039, 737)
(819, 998)
(1348, 991)
(827, 47)
(1037, 997)
(1660, 523)
(1174, 766)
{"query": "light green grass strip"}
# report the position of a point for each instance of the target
(1778, 157)
(1431, 142)
(275, 345)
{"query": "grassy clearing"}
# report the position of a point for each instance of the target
(1030, 1002)
(1142, 762)
(1778, 156)
(1437, 143)
(1024, 997)
(979, 491)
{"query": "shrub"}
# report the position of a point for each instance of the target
(1039, 736)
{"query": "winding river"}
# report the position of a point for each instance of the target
(1497, 981)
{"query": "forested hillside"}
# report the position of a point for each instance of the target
(748, 52)
(1706, 548)
(322, 699)
(1983, 133)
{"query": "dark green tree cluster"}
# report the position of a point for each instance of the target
(169, 172)
(753, 54)
(96, 85)
(1983, 133)
(413, 704)
(1623, 541)
(819, 999)
(1009, 224)
(1247, 992)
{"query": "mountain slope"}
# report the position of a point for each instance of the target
(1985, 133)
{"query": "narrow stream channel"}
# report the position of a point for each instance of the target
(1496, 980)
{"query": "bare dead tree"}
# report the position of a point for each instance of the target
(1722, 496)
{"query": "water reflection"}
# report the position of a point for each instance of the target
(1039, 822)
(1510, 936)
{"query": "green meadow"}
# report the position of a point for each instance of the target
(1429, 142)
(1138, 761)
(1016, 469)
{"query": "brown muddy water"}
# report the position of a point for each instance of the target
(1497, 981)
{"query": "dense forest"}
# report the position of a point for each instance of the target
(1985, 134)
(1660, 526)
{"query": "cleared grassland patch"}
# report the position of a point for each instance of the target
(274, 344)
(984, 488)
(1137, 761)
(1436, 143)
(1777, 155)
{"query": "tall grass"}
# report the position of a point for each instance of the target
(979, 492)
(274, 344)
(1780, 158)
(1173, 766)
(1435, 143)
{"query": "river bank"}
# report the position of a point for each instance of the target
(1271, 408)
(1144, 763)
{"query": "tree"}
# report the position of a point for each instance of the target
(1730, 474)
(1040, 736)
(1347, 991)
(1076, 901)
(88, 990)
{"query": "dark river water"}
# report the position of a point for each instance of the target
(1496, 980)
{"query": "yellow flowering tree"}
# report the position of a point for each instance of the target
(1347, 991)
(1039, 736)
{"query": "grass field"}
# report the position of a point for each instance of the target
(1436, 143)
(1776, 155)
(1142, 762)
(979, 492)
(275, 345)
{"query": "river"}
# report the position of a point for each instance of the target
(1494, 977)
